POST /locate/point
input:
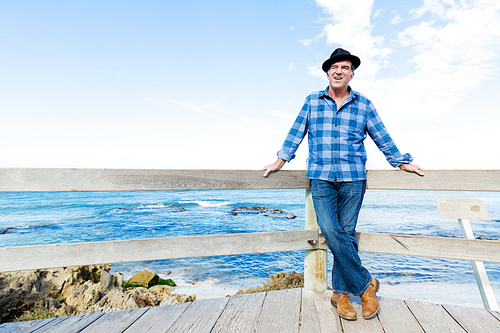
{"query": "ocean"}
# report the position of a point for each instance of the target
(69, 217)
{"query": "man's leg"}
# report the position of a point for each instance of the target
(349, 207)
(337, 207)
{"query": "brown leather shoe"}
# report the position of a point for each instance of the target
(344, 307)
(369, 301)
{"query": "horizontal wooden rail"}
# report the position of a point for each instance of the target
(50, 180)
(435, 180)
(59, 180)
(108, 252)
(90, 253)
(435, 247)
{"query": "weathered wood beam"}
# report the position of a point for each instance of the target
(60, 180)
(108, 252)
(435, 247)
(64, 255)
(438, 180)
(49, 180)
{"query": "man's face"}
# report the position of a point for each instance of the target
(340, 74)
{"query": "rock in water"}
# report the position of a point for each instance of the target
(108, 281)
(144, 278)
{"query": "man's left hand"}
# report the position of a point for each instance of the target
(408, 167)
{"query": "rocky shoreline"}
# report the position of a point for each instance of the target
(77, 290)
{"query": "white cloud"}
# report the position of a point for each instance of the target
(352, 30)
(316, 71)
(452, 53)
(396, 19)
(378, 13)
(440, 106)
(308, 42)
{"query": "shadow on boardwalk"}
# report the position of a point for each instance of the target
(293, 310)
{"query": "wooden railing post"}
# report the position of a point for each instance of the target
(315, 262)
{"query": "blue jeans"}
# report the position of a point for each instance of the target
(337, 206)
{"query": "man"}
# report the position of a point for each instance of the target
(337, 120)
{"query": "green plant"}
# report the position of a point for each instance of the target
(167, 282)
(162, 282)
(127, 285)
(37, 314)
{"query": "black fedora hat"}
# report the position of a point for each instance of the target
(339, 55)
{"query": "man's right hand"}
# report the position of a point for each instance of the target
(276, 166)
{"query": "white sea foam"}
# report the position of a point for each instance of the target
(155, 206)
(207, 203)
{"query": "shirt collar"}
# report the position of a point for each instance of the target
(352, 94)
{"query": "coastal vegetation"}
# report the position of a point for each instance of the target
(36, 314)
(161, 282)
(278, 281)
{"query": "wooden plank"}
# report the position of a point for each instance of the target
(61, 180)
(158, 319)
(327, 317)
(65, 255)
(115, 321)
(436, 247)
(47, 180)
(495, 314)
(473, 320)
(280, 312)
(240, 314)
(439, 180)
(396, 317)
(361, 325)
(309, 321)
(329, 320)
(433, 318)
(201, 316)
(24, 326)
(71, 324)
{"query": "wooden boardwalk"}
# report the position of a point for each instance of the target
(293, 310)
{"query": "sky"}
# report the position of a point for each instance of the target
(217, 84)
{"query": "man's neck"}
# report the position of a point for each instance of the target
(338, 93)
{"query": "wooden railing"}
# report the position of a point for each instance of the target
(310, 240)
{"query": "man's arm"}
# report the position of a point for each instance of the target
(293, 139)
(408, 167)
(276, 166)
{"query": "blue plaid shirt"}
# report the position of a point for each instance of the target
(336, 149)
